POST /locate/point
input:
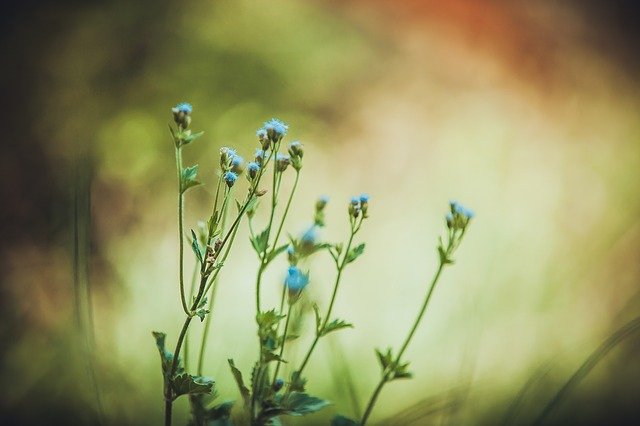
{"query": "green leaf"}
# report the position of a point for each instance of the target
(195, 245)
(260, 241)
(268, 318)
(343, 421)
(354, 253)
(192, 137)
(385, 359)
(276, 252)
(400, 372)
(300, 403)
(334, 325)
(220, 415)
(166, 357)
(269, 356)
(186, 384)
(188, 178)
(298, 382)
(244, 391)
(444, 258)
(212, 224)
(318, 318)
(201, 313)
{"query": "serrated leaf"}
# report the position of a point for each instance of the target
(343, 421)
(186, 384)
(385, 359)
(268, 356)
(268, 318)
(354, 253)
(195, 246)
(188, 178)
(300, 403)
(276, 252)
(201, 313)
(260, 241)
(192, 137)
(237, 375)
(298, 382)
(318, 318)
(444, 258)
(334, 325)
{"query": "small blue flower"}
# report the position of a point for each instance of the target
(184, 107)
(290, 250)
(296, 281)
(282, 161)
(355, 201)
(261, 133)
(253, 169)
(364, 198)
(324, 199)
(230, 178)
(449, 219)
(259, 155)
(310, 235)
(278, 384)
(276, 129)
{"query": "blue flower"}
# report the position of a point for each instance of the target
(310, 235)
(184, 107)
(282, 161)
(259, 155)
(276, 129)
(364, 198)
(290, 250)
(230, 178)
(253, 169)
(355, 201)
(296, 280)
(278, 384)
(261, 133)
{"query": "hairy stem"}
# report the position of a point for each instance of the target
(180, 227)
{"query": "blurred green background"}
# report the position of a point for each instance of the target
(528, 113)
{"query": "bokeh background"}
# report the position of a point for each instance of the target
(528, 112)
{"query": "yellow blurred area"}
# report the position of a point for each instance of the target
(407, 110)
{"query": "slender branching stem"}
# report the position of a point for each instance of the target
(180, 226)
(186, 338)
(387, 373)
(284, 339)
(340, 267)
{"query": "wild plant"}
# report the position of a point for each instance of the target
(268, 396)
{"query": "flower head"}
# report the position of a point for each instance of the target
(364, 198)
(181, 114)
(184, 107)
(296, 280)
(237, 164)
(321, 203)
(252, 170)
(282, 162)
(459, 215)
(230, 178)
(259, 155)
(278, 384)
(275, 129)
(263, 138)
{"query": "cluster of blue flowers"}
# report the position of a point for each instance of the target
(359, 204)
(459, 216)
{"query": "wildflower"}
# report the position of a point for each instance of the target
(237, 164)
(230, 178)
(181, 114)
(278, 384)
(459, 216)
(354, 207)
(259, 156)
(226, 156)
(296, 149)
(275, 129)
(263, 138)
(291, 255)
(322, 202)
(364, 204)
(252, 170)
(295, 282)
(282, 161)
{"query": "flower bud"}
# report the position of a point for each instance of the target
(278, 384)
(181, 114)
(252, 170)
(275, 129)
(282, 162)
(230, 178)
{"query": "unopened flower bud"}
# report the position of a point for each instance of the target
(252, 170)
(261, 192)
(282, 162)
(230, 178)
(181, 114)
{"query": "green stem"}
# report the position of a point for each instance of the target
(386, 376)
(180, 227)
(286, 211)
(284, 339)
(186, 339)
(354, 230)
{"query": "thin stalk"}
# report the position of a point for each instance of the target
(386, 376)
(284, 339)
(286, 211)
(354, 230)
(186, 339)
(190, 313)
(180, 227)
